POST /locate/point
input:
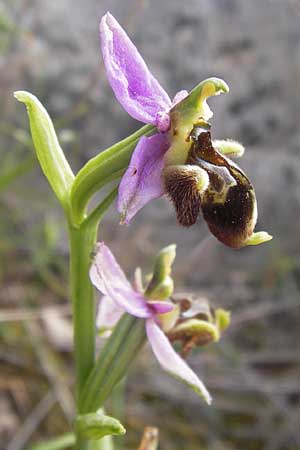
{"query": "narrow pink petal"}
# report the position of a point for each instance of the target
(136, 89)
(160, 307)
(107, 276)
(171, 361)
(142, 180)
(108, 314)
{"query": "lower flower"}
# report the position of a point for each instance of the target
(165, 320)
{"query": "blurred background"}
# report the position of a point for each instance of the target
(51, 48)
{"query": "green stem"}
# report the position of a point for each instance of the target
(81, 443)
(82, 243)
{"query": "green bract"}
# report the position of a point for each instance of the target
(97, 425)
(48, 150)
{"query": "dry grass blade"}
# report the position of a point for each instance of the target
(266, 308)
(22, 314)
(149, 439)
(21, 438)
(50, 367)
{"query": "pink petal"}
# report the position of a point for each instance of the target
(142, 180)
(136, 89)
(107, 276)
(160, 307)
(171, 361)
(108, 315)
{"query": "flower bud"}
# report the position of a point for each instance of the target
(161, 285)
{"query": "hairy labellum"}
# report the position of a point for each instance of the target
(229, 203)
(228, 200)
(181, 185)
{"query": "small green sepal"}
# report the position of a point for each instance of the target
(186, 114)
(259, 238)
(194, 106)
(222, 319)
(228, 147)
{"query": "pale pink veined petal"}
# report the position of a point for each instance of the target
(142, 180)
(171, 361)
(108, 314)
(107, 276)
(135, 87)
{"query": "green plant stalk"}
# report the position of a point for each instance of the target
(82, 242)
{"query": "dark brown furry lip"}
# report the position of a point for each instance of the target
(181, 188)
(228, 204)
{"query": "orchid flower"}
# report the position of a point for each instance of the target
(180, 160)
(120, 297)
